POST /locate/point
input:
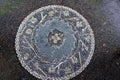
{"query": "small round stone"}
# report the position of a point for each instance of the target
(26, 56)
(28, 31)
(36, 64)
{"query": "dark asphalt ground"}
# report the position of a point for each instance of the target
(105, 64)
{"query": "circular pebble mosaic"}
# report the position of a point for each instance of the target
(54, 43)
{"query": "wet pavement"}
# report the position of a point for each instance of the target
(104, 20)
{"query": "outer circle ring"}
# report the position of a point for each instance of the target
(53, 78)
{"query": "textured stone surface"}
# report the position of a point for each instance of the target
(105, 64)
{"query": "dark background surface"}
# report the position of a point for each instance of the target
(105, 64)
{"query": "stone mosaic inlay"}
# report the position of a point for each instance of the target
(55, 43)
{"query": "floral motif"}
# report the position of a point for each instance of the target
(66, 13)
(67, 70)
(79, 24)
(51, 13)
(51, 69)
(56, 38)
(36, 65)
(33, 20)
(74, 60)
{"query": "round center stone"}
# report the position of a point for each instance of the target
(55, 40)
